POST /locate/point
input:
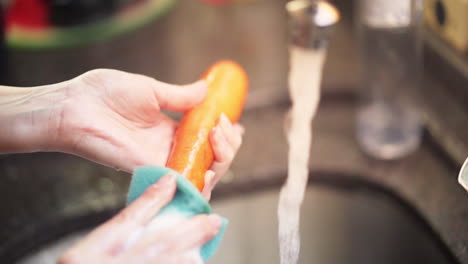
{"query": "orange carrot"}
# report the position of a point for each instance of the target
(191, 153)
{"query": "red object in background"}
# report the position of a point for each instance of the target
(27, 13)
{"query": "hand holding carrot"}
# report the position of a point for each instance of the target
(192, 154)
(110, 117)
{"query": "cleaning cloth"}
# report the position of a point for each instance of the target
(187, 201)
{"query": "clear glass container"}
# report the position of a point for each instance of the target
(389, 32)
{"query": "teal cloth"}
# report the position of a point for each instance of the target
(187, 201)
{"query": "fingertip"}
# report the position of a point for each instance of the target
(223, 151)
(239, 129)
(221, 139)
(198, 230)
(216, 135)
(209, 176)
(225, 123)
(224, 118)
(142, 209)
(215, 129)
(215, 221)
(200, 87)
(207, 195)
(164, 188)
(180, 98)
(210, 224)
(201, 83)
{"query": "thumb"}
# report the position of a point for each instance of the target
(180, 98)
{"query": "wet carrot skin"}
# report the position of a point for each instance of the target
(191, 153)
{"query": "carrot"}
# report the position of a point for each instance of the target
(191, 153)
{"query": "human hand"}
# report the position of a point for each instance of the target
(130, 238)
(114, 118)
(110, 117)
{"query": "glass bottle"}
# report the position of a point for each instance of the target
(388, 125)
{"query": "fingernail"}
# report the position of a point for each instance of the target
(166, 180)
(215, 220)
(209, 175)
(210, 178)
(217, 133)
(225, 120)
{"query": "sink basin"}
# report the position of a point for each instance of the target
(341, 222)
(337, 226)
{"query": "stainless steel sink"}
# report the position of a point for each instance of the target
(343, 221)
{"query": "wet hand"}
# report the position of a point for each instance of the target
(111, 117)
(115, 118)
(122, 239)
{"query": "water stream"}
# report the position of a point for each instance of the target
(304, 89)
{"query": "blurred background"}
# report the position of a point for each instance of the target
(389, 137)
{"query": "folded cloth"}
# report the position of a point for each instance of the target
(187, 201)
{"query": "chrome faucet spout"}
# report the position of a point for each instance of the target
(310, 22)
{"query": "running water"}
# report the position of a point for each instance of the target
(304, 89)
